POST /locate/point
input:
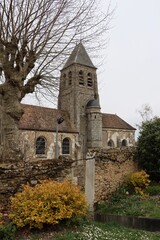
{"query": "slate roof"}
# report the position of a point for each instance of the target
(80, 56)
(44, 119)
(115, 122)
(93, 103)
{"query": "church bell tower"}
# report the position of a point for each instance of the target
(78, 91)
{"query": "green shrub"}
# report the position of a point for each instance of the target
(153, 190)
(49, 202)
(7, 232)
(148, 150)
(139, 181)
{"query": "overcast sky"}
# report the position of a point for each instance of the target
(130, 75)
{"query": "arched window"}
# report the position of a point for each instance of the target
(40, 145)
(124, 143)
(66, 146)
(70, 78)
(110, 143)
(89, 80)
(81, 78)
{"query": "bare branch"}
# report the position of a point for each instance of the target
(37, 35)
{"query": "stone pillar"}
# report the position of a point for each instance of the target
(90, 183)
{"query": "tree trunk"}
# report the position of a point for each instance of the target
(10, 114)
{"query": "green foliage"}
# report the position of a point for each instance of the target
(148, 148)
(139, 181)
(132, 205)
(7, 232)
(49, 202)
(125, 206)
(124, 202)
(66, 236)
(153, 190)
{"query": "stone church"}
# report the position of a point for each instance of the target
(77, 125)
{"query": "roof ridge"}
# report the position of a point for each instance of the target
(31, 105)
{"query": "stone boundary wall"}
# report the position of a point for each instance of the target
(99, 175)
(12, 176)
(111, 168)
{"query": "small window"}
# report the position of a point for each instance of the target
(81, 78)
(70, 78)
(124, 143)
(89, 80)
(110, 143)
(65, 146)
(40, 145)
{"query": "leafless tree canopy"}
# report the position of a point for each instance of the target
(36, 36)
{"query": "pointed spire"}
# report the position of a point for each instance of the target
(80, 56)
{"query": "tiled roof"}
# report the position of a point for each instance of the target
(44, 119)
(115, 122)
(80, 56)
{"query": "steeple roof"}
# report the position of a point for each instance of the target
(80, 56)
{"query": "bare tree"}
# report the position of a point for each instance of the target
(146, 115)
(35, 37)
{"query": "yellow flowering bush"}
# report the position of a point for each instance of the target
(139, 181)
(49, 202)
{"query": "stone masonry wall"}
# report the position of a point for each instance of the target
(111, 168)
(98, 175)
(12, 176)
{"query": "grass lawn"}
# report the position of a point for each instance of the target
(94, 231)
(132, 205)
